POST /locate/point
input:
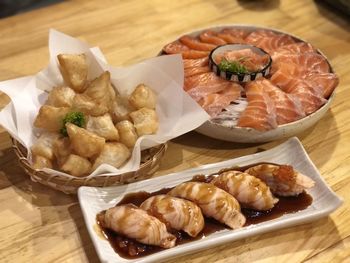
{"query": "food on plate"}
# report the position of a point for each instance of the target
(178, 213)
(213, 201)
(74, 69)
(260, 112)
(76, 165)
(50, 118)
(86, 123)
(133, 222)
(127, 133)
(84, 143)
(113, 153)
(249, 190)
(302, 78)
(143, 97)
(145, 121)
(43, 146)
(61, 97)
(61, 148)
(85, 104)
(103, 126)
(241, 61)
(180, 207)
(99, 90)
(121, 109)
(282, 179)
(40, 162)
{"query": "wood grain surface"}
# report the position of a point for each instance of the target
(38, 224)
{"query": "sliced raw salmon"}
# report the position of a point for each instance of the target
(309, 97)
(214, 103)
(310, 62)
(246, 57)
(230, 39)
(295, 48)
(209, 78)
(190, 63)
(268, 41)
(288, 107)
(196, 71)
(194, 43)
(328, 82)
(260, 113)
(211, 37)
(186, 52)
(236, 32)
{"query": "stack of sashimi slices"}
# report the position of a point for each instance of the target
(299, 83)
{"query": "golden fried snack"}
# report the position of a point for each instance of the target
(114, 154)
(61, 148)
(50, 118)
(85, 104)
(84, 143)
(143, 97)
(40, 162)
(43, 146)
(121, 109)
(100, 90)
(74, 69)
(145, 121)
(103, 126)
(61, 97)
(76, 165)
(127, 133)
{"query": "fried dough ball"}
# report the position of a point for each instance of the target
(143, 97)
(145, 121)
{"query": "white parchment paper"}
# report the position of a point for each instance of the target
(177, 112)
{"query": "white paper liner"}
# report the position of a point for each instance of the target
(177, 112)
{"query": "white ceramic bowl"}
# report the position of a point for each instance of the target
(249, 135)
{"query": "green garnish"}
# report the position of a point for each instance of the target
(75, 117)
(233, 66)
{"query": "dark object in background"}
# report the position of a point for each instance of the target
(11, 7)
(340, 5)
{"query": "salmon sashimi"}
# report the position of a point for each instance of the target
(288, 107)
(322, 84)
(310, 62)
(296, 48)
(287, 77)
(211, 37)
(194, 43)
(260, 113)
(310, 97)
(309, 94)
(230, 39)
(236, 32)
(246, 57)
(200, 62)
(205, 84)
(213, 104)
(203, 79)
(268, 40)
(327, 81)
(196, 71)
(185, 51)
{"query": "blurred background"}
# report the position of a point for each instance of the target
(11, 7)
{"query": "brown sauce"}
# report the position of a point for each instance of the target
(131, 249)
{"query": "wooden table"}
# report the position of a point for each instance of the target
(38, 224)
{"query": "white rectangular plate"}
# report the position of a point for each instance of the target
(93, 200)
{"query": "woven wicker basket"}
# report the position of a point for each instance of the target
(150, 161)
